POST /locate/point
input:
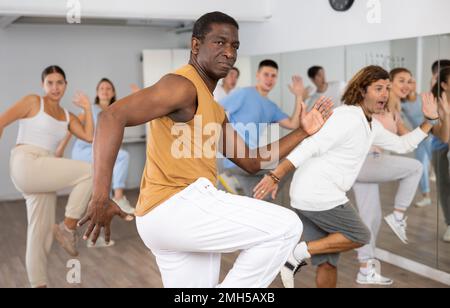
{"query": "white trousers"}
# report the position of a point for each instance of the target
(188, 233)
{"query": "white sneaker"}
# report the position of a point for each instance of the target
(423, 203)
(101, 243)
(230, 183)
(373, 278)
(447, 235)
(399, 227)
(125, 205)
(288, 271)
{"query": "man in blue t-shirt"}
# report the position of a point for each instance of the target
(250, 111)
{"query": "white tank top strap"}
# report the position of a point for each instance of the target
(67, 116)
(41, 109)
(43, 131)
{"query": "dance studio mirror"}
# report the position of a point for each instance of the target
(443, 233)
(425, 223)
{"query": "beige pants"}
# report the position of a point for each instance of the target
(37, 174)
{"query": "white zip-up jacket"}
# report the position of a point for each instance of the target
(329, 162)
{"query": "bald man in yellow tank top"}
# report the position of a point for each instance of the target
(181, 217)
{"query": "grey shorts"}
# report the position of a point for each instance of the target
(343, 219)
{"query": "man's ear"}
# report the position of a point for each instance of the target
(444, 86)
(363, 93)
(195, 45)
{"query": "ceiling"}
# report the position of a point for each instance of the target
(178, 26)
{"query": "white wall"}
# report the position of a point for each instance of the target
(85, 53)
(431, 52)
(248, 10)
(361, 55)
(305, 24)
(445, 46)
(342, 63)
(407, 48)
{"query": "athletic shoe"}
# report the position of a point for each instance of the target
(101, 243)
(423, 203)
(68, 239)
(399, 227)
(373, 278)
(447, 235)
(125, 205)
(230, 183)
(288, 271)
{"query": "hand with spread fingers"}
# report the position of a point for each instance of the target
(430, 106)
(311, 122)
(264, 188)
(297, 87)
(100, 215)
(81, 100)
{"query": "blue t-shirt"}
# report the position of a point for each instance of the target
(246, 109)
(413, 112)
(81, 144)
(437, 144)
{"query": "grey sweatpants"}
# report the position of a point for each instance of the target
(381, 168)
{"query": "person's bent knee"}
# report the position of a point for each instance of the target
(87, 170)
(419, 167)
(294, 225)
(363, 239)
(358, 245)
(327, 266)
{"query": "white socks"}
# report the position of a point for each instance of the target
(399, 216)
(364, 270)
(301, 252)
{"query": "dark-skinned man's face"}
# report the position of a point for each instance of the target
(217, 52)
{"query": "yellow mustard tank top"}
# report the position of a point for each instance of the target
(178, 154)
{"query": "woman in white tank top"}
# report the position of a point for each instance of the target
(38, 174)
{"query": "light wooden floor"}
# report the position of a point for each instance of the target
(426, 227)
(129, 263)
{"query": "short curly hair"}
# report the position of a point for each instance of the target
(203, 25)
(361, 81)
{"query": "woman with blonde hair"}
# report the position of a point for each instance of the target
(381, 167)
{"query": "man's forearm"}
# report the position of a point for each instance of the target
(107, 142)
(283, 169)
(280, 149)
(89, 123)
(295, 118)
(426, 127)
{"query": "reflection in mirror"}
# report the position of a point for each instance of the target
(397, 192)
(394, 193)
(441, 156)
